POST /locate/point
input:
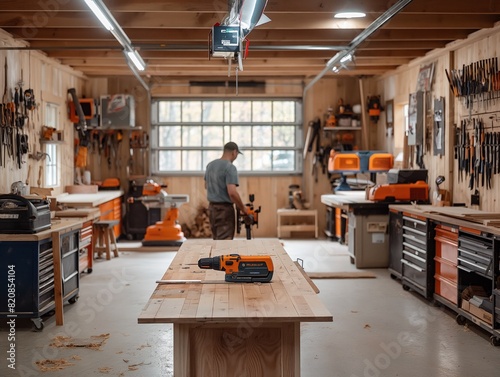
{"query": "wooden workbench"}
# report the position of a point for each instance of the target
(108, 202)
(228, 329)
(90, 199)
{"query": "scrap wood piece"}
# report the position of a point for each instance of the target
(342, 275)
(95, 342)
(313, 286)
(51, 365)
(493, 223)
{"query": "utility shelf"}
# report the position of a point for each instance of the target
(297, 220)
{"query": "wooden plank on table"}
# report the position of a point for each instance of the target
(148, 314)
(252, 301)
(221, 301)
(191, 304)
(236, 307)
(206, 304)
(170, 309)
(305, 276)
(320, 312)
(302, 306)
(284, 305)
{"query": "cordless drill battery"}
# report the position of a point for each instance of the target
(241, 268)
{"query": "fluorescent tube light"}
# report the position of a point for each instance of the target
(100, 15)
(350, 15)
(346, 58)
(137, 60)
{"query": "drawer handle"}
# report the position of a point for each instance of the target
(469, 254)
(473, 264)
(411, 265)
(464, 269)
(411, 219)
(414, 256)
(410, 246)
(414, 231)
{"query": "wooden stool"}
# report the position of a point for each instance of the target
(104, 238)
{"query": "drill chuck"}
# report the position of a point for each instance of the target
(209, 263)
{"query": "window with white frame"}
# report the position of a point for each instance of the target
(188, 134)
(52, 150)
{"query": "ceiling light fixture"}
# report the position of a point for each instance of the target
(136, 59)
(109, 22)
(350, 15)
(100, 14)
(346, 58)
(335, 69)
(360, 38)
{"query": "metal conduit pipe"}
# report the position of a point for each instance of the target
(374, 26)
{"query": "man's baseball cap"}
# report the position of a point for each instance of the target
(232, 146)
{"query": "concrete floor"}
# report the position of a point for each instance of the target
(378, 329)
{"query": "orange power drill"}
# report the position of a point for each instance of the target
(241, 268)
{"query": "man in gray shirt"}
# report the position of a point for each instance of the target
(221, 181)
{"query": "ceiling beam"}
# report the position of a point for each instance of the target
(201, 35)
(158, 20)
(429, 6)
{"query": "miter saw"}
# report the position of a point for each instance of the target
(166, 232)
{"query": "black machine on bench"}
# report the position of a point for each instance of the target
(21, 215)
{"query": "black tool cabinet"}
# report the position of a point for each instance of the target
(478, 265)
(442, 256)
(395, 243)
(417, 263)
(33, 266)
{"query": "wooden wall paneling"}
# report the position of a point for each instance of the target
(49, 80)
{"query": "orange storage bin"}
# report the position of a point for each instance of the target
(445, 288)
(446, 269)
(446, 244)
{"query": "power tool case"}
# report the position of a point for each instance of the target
(22, 215)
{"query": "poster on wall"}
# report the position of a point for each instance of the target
(439, 125)
(425, 76)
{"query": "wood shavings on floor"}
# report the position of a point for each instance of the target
(95, 342)
(49, 365)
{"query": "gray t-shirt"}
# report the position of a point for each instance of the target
(218, 175)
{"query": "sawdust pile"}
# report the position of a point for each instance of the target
(48, 365)
(95, 342)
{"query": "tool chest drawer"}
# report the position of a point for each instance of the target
(417, 256)
(475, 253)
(415, 275)
(418, 240)
(417, 224)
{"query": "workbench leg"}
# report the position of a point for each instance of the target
(181, 350)
(217, 350)
(58, 293)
